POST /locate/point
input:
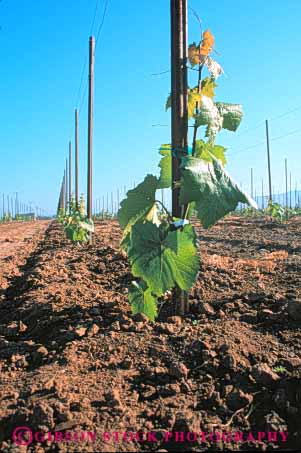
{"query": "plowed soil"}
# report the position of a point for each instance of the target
(73, 358)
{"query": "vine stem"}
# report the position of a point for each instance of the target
(195, 127)
(165, 209)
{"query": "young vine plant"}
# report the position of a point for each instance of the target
(162, 250)
(77, 226)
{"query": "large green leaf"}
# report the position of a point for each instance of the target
(214, 192)
(138, 202)
(138, 206)
(232, 115)
(142, 300)
(165, 166)
(217, 116)
(209, 116)
(163, 258)
(205, 151)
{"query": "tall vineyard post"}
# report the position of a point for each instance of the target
(76, 158)
(70, 174)
(286, 189)
(66, 186)
(179, 118)
(269, 159)
(290, 193)
(90, 126)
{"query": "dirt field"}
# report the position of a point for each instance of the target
(16, 242)
(72, 358)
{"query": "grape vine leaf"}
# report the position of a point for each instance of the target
(142, 300)
(205, 151)
(163, 258)
(87, 225)
(217, 116)
(165, 166)
(194, 54)
(194, 97)
(207, 43)
(215, 194)
(209, 116)
(232, 115)
(213, 66)
(208, 86)
(137, 206)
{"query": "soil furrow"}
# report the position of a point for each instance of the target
(71, 353)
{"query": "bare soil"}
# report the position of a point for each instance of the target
(72, 357)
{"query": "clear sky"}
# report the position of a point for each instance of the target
(44, 45)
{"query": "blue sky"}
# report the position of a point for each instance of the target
(43, 48)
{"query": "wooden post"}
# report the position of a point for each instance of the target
(76, 159)
(62, 196)
(179, 117)
(70, 174)
(286, 190)
(269, 159)
(262, 196)
(63, 193)
(290, 193)
(90, 124)
(66, 186)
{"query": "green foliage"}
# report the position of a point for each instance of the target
(162, 249)
(61, 215)
(165, 166)
(207, 151)
(194, 97)
(82, 206)
(163, 258)
(211, 188)
(136, 207)
(217, 116)
(7, 217)
(142, 300)
(232, 115)
(276, 211)
(250, 212)
(77, 226)
(280, 370)
(208, 86)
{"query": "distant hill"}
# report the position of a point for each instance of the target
(293, 199)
